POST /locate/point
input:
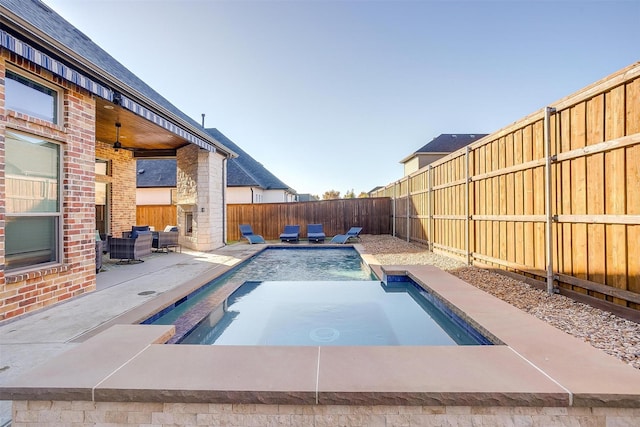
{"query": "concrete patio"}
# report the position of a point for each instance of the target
(36, 338)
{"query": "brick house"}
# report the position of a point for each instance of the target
(248, 181)
(73, 123)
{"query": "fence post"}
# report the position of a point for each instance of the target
(466, 206)
(429, 209)
(408, 207)
(393, 208)
(548, 232)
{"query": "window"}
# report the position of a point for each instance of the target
(32, 232)
(188, 223)
(29, 97)
(103, 167)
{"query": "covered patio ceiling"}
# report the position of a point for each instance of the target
(141, 136)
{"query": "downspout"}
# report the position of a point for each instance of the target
(252, 196)
(547, 202)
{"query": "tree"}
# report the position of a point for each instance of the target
(331, 194)
(363, 195)
(350, 194)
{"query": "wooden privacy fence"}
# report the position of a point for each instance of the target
(157, 216)
(336, 216)
(555, 196)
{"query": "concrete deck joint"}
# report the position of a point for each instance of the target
(93, 389)
(318, 376)
(545, 374)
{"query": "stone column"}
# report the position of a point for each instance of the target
(200, 198)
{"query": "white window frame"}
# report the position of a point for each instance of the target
(58, 215)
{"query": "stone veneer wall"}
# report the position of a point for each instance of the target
(40, 287)
(199, 183)
(85, 413)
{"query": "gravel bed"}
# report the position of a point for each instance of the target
(605, 331)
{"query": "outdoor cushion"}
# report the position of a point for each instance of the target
(354, 232)
(291, 233)
(247, 233)
(136, 229)
(315, 233)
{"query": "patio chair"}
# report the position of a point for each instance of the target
(133, 248)
(315, 233)
(353, 233)
(165, 240)
(99, 249)
(247, 233)
(291, 233)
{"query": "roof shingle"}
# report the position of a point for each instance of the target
(450, 142)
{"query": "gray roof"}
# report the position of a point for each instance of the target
(245, 171)
(156, 173)
(53, 25)
(449, 142)
(446, 143)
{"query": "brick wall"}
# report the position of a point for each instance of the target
(82, 413)
(122, 185)
(34, 289)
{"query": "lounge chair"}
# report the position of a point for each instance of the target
(353, 233)
(247, 233)
(291, 233)
(315, 233)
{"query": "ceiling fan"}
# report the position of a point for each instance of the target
(118, 145)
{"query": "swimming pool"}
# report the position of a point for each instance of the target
(274, 263)
(328, 313)
(303, 296)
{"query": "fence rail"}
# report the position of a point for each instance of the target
(555, 196)
(336, 216)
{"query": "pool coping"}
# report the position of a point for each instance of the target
(544, 367)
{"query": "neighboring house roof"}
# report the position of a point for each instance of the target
(156, 173)
(306, 197)
(245, 171)
(87, 53)
(446, 143)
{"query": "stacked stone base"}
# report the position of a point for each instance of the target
(85, 413)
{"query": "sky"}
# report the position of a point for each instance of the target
(331, 95)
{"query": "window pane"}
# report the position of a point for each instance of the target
(29, 97)
(32, 169)
(30, 241)
(101, 193)
(102, 167)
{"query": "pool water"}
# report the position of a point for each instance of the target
(309, 296)
(327, 313)
(328, 263)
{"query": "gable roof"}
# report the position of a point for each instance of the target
(245, 171)
(156, 173)
(446, 143)
(77, 51)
